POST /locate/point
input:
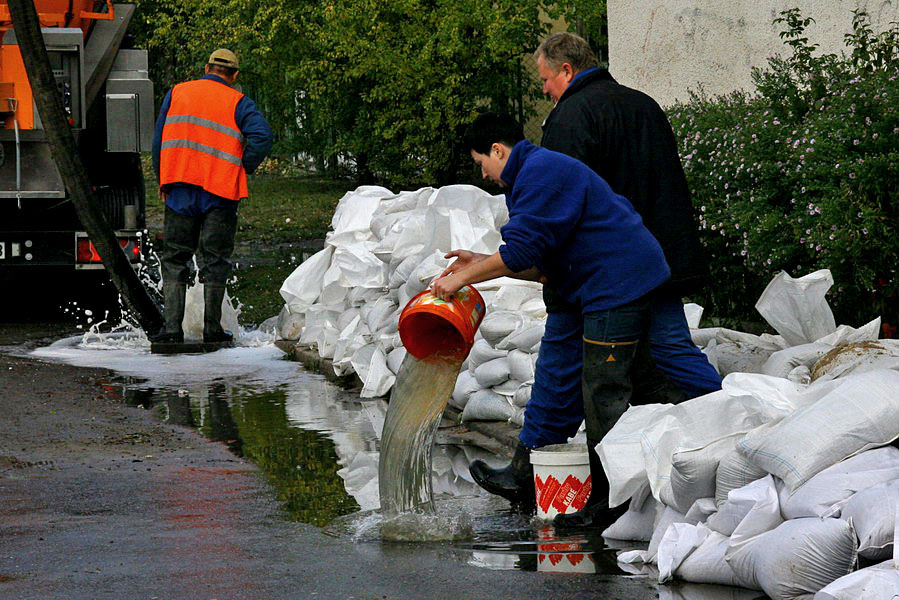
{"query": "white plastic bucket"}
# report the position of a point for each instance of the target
(561, 478)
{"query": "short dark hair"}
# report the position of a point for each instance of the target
(226, 71)
(491, 128)
(565, 47)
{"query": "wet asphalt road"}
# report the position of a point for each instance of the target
(100, 500)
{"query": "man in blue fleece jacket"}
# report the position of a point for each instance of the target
(567, 227)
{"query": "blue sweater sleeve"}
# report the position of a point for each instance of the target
(540, 219)
(157, 136)
(257, 133)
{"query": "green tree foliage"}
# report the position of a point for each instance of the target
(381, 88)
(397, 81)
(803, 174)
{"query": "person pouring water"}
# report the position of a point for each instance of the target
(567, 225)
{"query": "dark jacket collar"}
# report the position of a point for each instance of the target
(215, 77)
(520, 152)
(585, 80)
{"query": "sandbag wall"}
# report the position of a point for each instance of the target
(783, 482)
(385, 248)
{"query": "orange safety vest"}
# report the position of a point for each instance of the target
(201, 143)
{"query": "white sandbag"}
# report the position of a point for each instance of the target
(520, 366)
(517, 417)
(825, 494)
(382, 311)
(466, 385)
(353, 336)
(406, 292)
(665, 518)
(640, 445)
(380, 378)
(511, 297)
(693, 314)
(858, 415)
(858, 357)
(395, 358)
(776, 397)
(845, 334)
(522, 395)
(638, 522)
(523, 338)
(748, 513)
(326, 342)
(302, 287)
(534, 309)
(348, 315)
(507, 388)
(693, 473)
(703, 336)
(797, 308)
(499, 324)
(780, 363)
(357, 297)
(873, 514)
(290, 325)
(317, 316)
(801, 374)
(678, 542)
(482, 352)
(799, 557)
(492, 372)
(706, 563)
(487, 405)
(334, 290)
(401, 273)
(734, 472)
(352, 217)
(878, 582)
(739, 352)
(358, 267)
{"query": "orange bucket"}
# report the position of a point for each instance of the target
(434, 328)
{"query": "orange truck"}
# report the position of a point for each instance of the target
(108, 99)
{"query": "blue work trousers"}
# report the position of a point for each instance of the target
(556, 408)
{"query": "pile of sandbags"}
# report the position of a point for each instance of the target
(781, 481)
(385, 248)
(786, 507)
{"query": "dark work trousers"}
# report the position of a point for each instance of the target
(556, 407)
(618, 371)
(210, 236)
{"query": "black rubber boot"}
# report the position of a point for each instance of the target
(515, 482)
(173, 295)
(596, 513)
(213, 296)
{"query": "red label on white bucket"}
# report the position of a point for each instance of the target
(573, 493)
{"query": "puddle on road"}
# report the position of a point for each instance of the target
(318, 445)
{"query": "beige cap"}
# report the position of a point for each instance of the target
(223, 58)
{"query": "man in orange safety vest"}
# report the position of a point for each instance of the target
(209, 136)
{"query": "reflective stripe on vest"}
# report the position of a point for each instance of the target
(201, 143)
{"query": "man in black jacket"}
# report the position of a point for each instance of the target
(625, 137)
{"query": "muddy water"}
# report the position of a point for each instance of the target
(416, 404)
(319, 446)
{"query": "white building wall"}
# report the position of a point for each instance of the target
(667, 47)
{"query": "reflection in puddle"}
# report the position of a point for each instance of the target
(318, 445)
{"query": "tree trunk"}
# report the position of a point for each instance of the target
(65, 154)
